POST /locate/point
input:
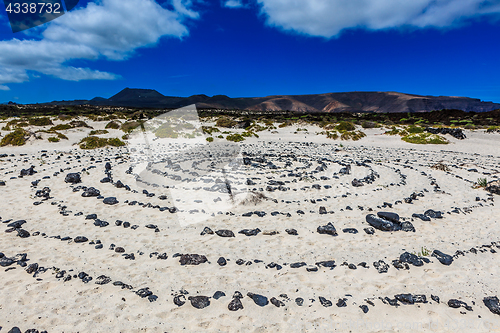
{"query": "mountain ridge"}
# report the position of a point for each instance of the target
(356, 101)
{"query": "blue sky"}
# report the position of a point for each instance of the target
(256, 48)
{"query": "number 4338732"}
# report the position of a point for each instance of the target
(33, 8)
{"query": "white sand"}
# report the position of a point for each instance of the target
(47, 303)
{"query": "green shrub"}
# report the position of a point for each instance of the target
(113, 125)
(235, 137)
(79, 123)
(129, 126)
(61, 136)
(15, 138)
(221, 136)
(41, 121)
(210, 139)
(60, 127)
(92, 142)
(352, 135)
(415, 129)
(209, 130)
(115, 142)
(332, 135)
(345, 126)
(369, 124)
(97, 132)
(482, 182)
(225, 122)
(53, 139)
(22, 124)
(424, 138)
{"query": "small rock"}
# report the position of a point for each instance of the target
(110, 201)
(219, 294)
(327, 229)
(199, 302)
(80, 239)
(326, 303)
(224, 233)
(258, 299)
(235, 305)
(443, 258)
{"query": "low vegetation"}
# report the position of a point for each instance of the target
(16, 138)
(98, 132)
(41, 121)
(113, 125)
(226, 122)
(235, 137)
(92, 142)
(425, 138)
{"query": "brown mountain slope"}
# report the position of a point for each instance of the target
(380, 102)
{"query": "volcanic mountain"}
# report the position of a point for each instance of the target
(380, 102)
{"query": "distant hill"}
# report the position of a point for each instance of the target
(380, 102)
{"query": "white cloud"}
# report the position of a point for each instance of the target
(327, 18)
(109, 29)
(4, 88)
(233, 4)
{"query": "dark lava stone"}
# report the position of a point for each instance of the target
(411, 259)
(393, 217)
(207, 231)
(364, 308)
(144, 292)
(276, 302)
(341, 302)
(225, 233)
(222, 261)
(14, 330)
(73, 178)
(235, 304)
(443, 258)
(110, 201)
(80, 239)
(326, 303)
(192, 259)
(492, 303)
(299, 301)
(199, 302)
(379, 223)
(179, 300)
(350, 231)
(219, 294)
(369, 231)
(292, 232)
(258, 299)
(119, 250)
(327, 229)
(381, 266)
(103, 279)
(23, 233)
(297, 264)
(91, 217)
(32, 268)
(249, 232)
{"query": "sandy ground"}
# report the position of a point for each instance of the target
(43, 300)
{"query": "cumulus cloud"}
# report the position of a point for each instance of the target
(327, 18)
(233, 4)
(109, 29)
